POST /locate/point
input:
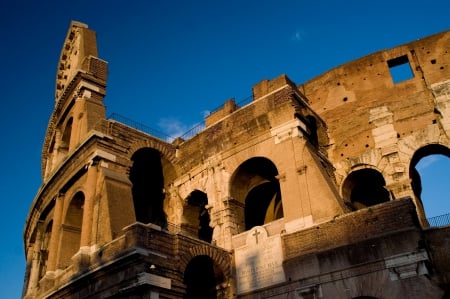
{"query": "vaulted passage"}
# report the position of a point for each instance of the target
(201, 278)
(146, 174)
(364, 188)
(255, 184)
(196, 216)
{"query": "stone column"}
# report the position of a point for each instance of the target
(88, 212)
(34, 272)
(56, 233)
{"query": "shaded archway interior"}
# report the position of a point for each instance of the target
(201, 278)
(364, 188)
(196, 215)
(256, 185)
(147, 178)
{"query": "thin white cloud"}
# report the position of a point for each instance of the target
(206, 113)
(426, 162)
(298, 36)
(172, 126)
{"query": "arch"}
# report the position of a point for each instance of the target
(202, 278)
(167, 150)
(146, 175)
(221, 258)
(71, 230)
(364, 188)
(255, 184)
(364, 297)
(66, 135)
(196, 216)
(426, 151)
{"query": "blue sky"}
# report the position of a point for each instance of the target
(172, 61)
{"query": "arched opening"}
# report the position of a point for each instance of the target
(364, 188)
(202, 278)
(429, 171)
(44, 249)
(71, 230)
(365, 297)
(196, 217)
(51, 157)
(65, 140)
(255, 185)
(146, 174)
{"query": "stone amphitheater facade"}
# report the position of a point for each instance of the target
(306, 191)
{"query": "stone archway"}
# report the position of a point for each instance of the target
(430, 203)
(196, 218)
(364, 188)
(201, 278)
(255, 184)
(206, 271)
(146, 175)
(71, 230)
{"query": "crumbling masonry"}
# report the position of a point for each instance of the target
(306, 191)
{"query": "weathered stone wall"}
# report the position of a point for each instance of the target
(303, 143)
(373, 121)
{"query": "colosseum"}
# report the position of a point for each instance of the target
(302, 191)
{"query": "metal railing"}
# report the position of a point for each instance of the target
(141, 127)
(438, 221)
(163, 136)
(194, 131)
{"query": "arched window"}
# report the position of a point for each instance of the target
(255, 185)
(146, 174)
(196, 216)
(201, 278)
(65, 140)
(364, 188)
(71, 230)
(429, 169)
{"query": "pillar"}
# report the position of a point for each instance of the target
(34, 272)
(88, 212)
(56, 234)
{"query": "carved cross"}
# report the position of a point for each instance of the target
(255, 234)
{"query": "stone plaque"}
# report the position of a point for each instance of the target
(259, 262)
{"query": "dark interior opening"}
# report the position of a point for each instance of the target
(199, 200)
(255, 184)
(148, 186)
(261, 204)
(365, 188)
(200, 278)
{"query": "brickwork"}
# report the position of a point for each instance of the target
(288, 164)
(374, 222)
